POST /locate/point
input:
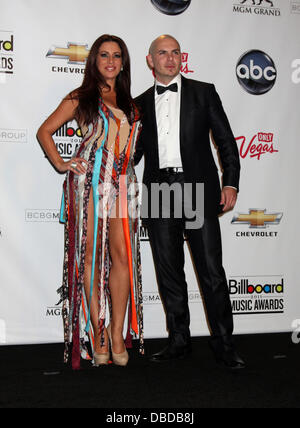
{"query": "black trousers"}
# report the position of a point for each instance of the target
(167, 242)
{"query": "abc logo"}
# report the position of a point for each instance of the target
(256, 72)
(171, 7)
(296, 72)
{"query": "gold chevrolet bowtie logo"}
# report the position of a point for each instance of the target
(76, 54)
(257, 218)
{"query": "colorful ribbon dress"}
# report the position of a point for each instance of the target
(108, 146)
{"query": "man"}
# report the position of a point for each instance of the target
(177, 116)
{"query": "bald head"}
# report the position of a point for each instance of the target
(153, 46)
(165, 58)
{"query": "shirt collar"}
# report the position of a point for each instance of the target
(176, 79)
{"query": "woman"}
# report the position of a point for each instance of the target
(102, 258)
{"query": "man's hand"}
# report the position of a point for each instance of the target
(228, 198)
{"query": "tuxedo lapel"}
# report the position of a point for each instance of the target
(151, 115)
(184, 108)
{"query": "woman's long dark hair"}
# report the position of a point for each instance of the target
(90, 90)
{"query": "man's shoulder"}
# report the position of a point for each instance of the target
(197, 84)
(142, 97)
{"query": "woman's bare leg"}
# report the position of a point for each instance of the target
(119, 282)
(87, 280)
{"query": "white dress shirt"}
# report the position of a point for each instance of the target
(167, 107)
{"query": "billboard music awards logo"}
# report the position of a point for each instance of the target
(171, 7)
(67, 139)
(257, 294)
(257, 7)
(258, 220)
(256, 72)
(74, 54)
(258, 146)
(6, 54)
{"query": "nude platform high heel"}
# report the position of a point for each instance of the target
(118, 359)
(101, 359)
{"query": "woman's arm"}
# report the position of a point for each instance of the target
(65, 112)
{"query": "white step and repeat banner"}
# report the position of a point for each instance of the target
(250, 50)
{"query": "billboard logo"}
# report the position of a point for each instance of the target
(7, 45)
(256, 72)
(68, 131)
(6, 54)
(68, 139)
(257, 294)
(244, 286)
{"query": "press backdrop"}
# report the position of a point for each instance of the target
(251, 53)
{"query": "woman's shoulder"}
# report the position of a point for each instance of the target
(72, 98)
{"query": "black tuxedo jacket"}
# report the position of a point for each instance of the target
(201, 112)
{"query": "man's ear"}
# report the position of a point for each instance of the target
(150, 61)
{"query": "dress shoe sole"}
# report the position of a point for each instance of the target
(223, 365)
(165, 360)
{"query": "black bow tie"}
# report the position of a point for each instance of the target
(163, 89)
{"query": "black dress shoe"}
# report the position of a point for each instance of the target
(231, 361)
(171, 353)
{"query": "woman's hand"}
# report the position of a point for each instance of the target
(76, 165)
